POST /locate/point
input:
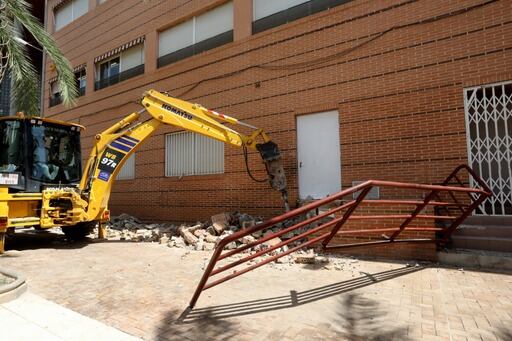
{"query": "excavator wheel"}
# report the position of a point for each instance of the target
(79, 231)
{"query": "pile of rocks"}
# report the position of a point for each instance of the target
(206, 235)
(198, 236)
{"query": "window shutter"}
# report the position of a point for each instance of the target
(209, 155)
(180, 154)
(264, 8)
(214, 22)
(128, 169)
(176, 38)
(55, 87)
(80, 7)
(132, 57)
(63, 16)
(188, 153)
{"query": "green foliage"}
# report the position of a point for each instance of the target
(15, 15)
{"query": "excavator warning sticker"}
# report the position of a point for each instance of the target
(104, 176)
(108, 163)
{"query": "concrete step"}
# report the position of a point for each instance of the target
(501, 261)
(496, 231)
(483, 237)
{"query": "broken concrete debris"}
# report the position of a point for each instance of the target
(205, 236)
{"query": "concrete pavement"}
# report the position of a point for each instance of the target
(31, 317)
(144, 288)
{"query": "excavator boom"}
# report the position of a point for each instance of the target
(117, 143)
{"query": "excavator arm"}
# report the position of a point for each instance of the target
(114, 145)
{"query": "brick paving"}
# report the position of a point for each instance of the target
(144, 289)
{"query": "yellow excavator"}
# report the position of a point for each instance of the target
(42, 184)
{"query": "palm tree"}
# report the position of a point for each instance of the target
(15, 17)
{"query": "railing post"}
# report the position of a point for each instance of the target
(447, 233)
(417, 211)
(206, 275)
(347, 214)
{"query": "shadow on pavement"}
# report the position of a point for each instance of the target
(505, 333)
(294, 299)
(44, 239)
(32, 240)
(362, 318)
(205, 327)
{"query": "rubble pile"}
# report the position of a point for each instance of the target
(206, 235)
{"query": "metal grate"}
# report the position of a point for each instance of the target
(127, 172)
(193, 154)
(489, 142)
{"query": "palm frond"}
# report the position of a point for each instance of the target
(25, 90)
(25, 79)
(20, 10)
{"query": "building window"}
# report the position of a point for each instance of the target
(201, 33)
(81, 81)
(5, 95)
(109, 72)
(189, 153)
(127, 172)
(125, 65)
(270, 13)
(55, 97)
(69, 11)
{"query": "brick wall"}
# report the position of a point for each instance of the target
(400, 95)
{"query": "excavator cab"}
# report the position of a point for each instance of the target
(36, 153)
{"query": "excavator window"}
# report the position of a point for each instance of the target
(56, 154)
(11, 146)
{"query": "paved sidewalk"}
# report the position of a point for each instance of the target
(31, 317)
(143, 289)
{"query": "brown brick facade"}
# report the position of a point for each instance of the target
(399, 96)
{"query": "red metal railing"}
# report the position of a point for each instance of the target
(322, 232)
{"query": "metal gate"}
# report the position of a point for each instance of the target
(489, 140)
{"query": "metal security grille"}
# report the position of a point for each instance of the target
(128, 170)
(489, 138)
(193, 154)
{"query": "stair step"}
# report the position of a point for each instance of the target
(484, 231)
(476, 259)
(482, 243)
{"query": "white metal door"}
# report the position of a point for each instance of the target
(489, 137)
(318, 149)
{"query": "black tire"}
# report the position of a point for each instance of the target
(79, 231)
